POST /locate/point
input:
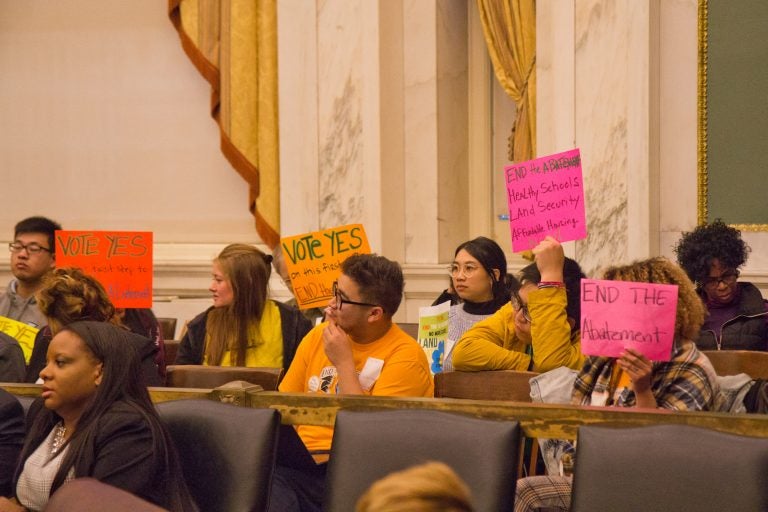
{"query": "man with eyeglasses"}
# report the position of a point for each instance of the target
(712, 255)
(33, 255)
(358, 350)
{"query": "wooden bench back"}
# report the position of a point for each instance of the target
(733, 362)
(198, 376)
(494, 385)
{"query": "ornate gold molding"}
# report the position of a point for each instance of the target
(702, 146)
(702, 114)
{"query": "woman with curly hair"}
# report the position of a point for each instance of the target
(712, 255)
(69, 295)
(687, 382)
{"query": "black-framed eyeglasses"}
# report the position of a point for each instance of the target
(32, 248)
(728, 279)
(519, 305)
(340, 301)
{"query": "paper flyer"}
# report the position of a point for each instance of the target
(433, 333)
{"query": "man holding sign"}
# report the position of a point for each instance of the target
(357, 351)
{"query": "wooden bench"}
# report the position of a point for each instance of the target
(168, 327)
(171, 350)
(157, 394)
(198, 376)
(536, 420)
(490, 385)
(733, 362)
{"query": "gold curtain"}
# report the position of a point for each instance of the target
(233, 44)
(509, 27)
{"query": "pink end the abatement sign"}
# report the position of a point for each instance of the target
(621, 314)
(546, 197)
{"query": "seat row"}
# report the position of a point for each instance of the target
(228, 455)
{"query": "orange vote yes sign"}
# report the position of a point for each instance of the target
(314, 261)
(120, 260)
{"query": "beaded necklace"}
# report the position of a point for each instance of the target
(58, 437)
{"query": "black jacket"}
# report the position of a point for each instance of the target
(120, 454)
(11, 439)
(745, 331)
(294, 328)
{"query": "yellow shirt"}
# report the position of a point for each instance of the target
(265, 341)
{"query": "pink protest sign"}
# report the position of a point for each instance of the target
(546, 197)
(620, 314)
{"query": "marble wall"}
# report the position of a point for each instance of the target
(617, 78)
(604, 111)
(389, 113)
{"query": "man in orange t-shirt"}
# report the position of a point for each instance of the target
(357, 351)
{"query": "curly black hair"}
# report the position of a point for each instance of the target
(697, 249)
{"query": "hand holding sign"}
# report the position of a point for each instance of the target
(120, 260)
(314, 261)
(546, 197)
(616, 315)
(638, 367)
(549, 257)
(23, 333)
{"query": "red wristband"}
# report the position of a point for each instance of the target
(551, 284)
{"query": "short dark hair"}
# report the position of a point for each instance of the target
(380, 280)
(572, 276)
(698, 248)
(38, 224)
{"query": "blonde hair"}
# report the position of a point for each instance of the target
(690, 310)
(429, 487)
(247, 271)
(69, 295)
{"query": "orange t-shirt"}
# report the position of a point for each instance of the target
(393, 365)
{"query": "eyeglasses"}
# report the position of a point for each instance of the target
(33, 248)
(455, 269)
(728, 279)
(518, 305)
(340, 301)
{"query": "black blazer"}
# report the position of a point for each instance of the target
(120, 454)
(11, 439)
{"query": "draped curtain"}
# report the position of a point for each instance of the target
(233, 44)
(509, 27)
